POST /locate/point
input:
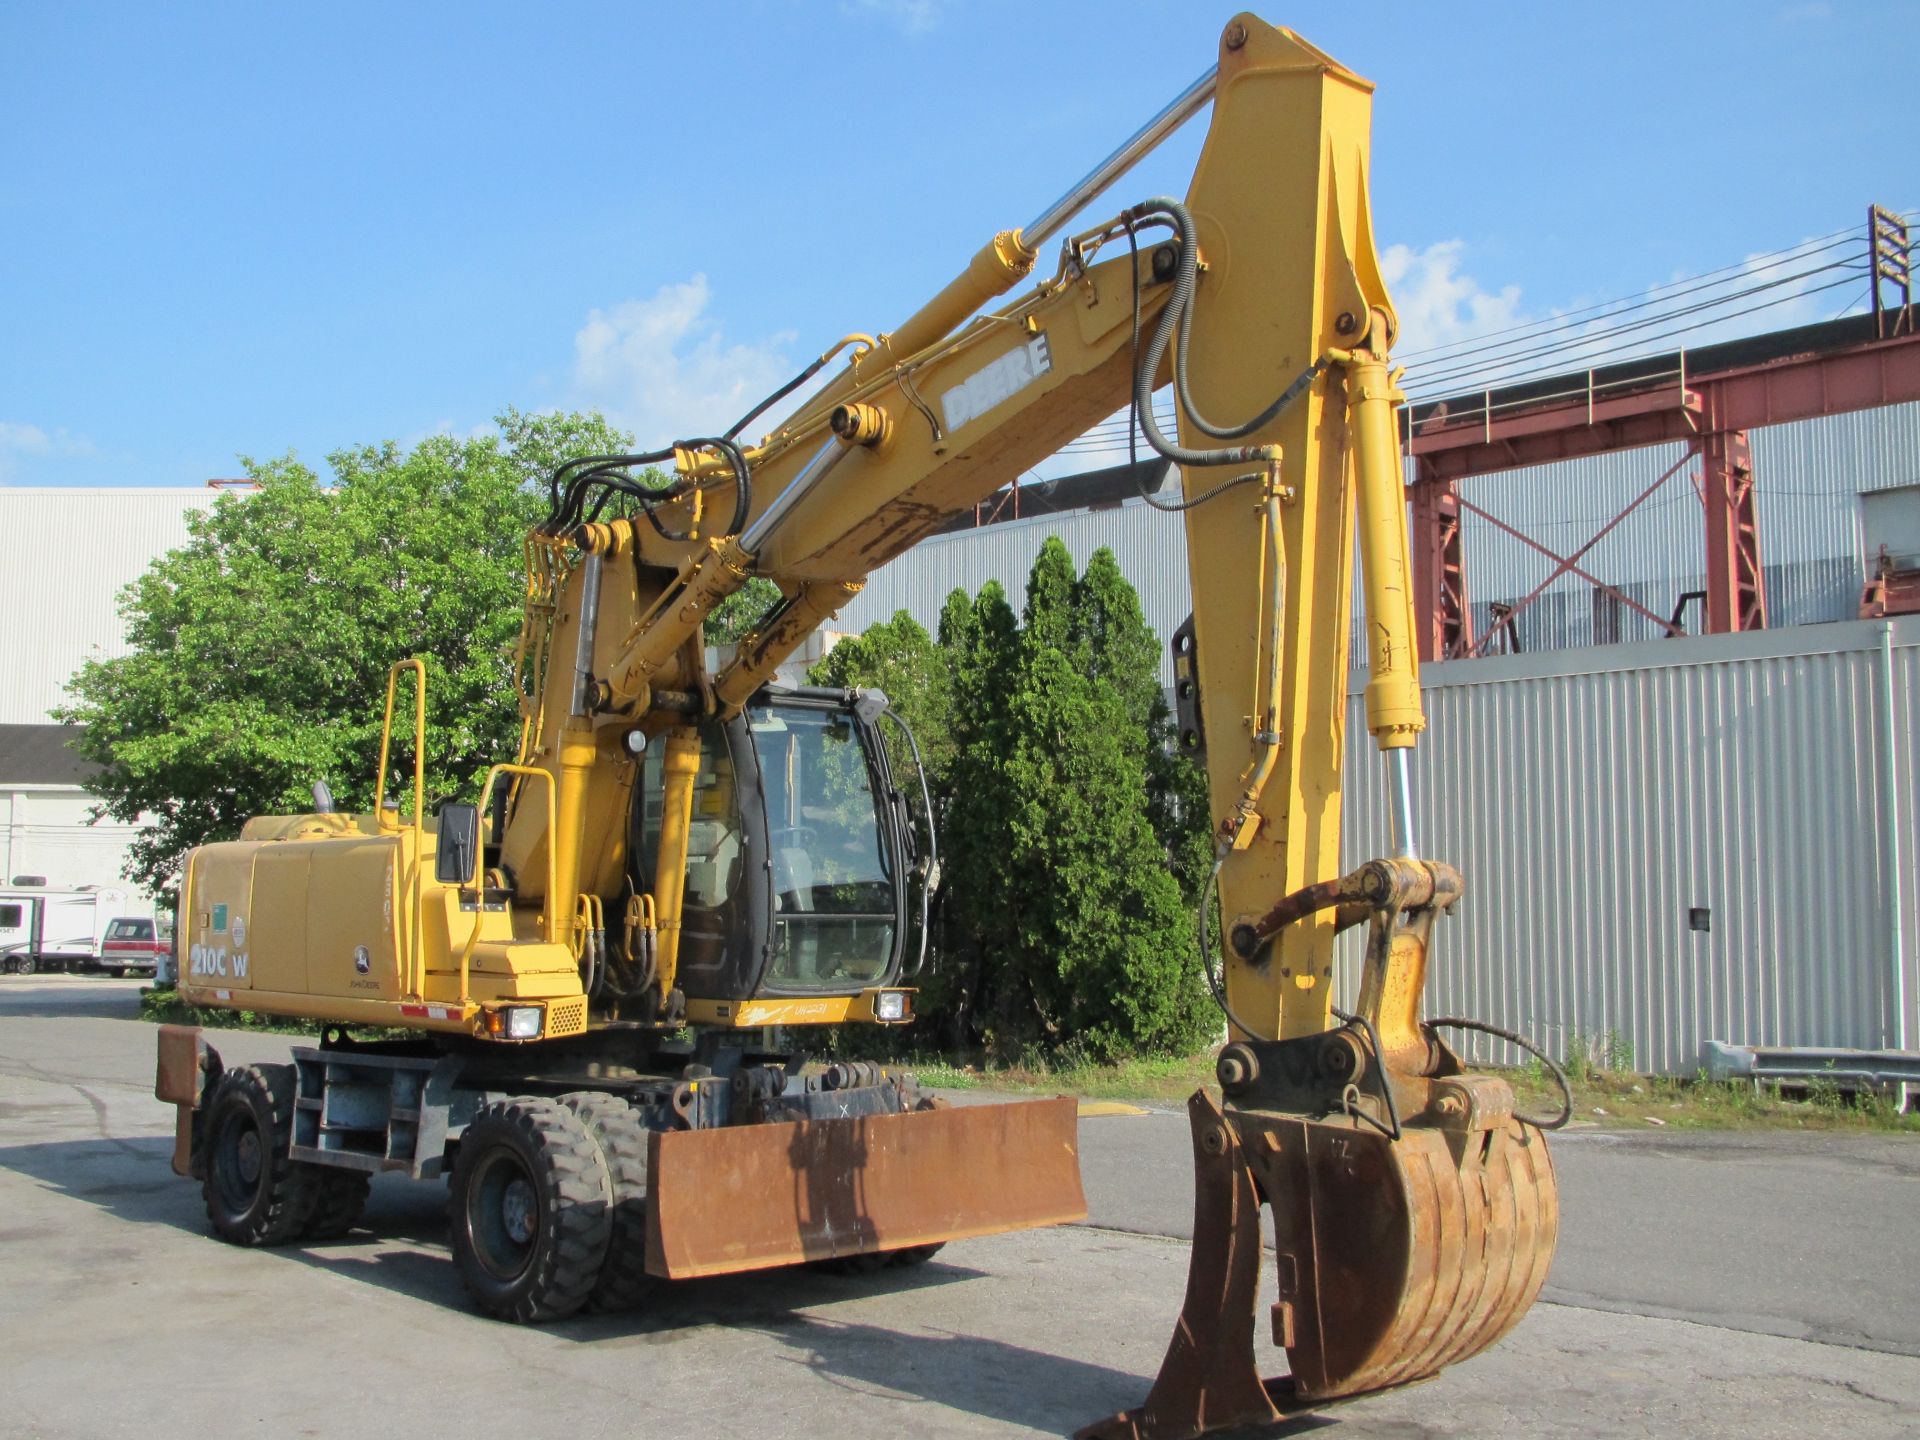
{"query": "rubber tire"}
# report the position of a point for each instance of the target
(914, 1255)
(340, 1197)
(542, 1145)
(875, 1261)
(249, 1125)
(616, 1127)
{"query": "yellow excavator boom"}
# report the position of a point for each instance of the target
(653, 858)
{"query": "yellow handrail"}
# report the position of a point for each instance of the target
(417, 960)
(525, 772)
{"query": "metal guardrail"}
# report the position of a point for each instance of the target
(1848, 1069)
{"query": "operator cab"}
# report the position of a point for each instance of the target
(803, 853)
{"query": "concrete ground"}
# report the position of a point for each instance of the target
(1749, 1285)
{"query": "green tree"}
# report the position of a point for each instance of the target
(979, 642)
(734, 616)
(1123, 650)
(900, 658)
(259, 651)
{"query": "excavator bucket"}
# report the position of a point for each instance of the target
(1396, 1257)
(748, 1197)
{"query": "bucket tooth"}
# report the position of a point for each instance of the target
(1208, 1379)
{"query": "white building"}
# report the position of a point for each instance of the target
(70, 553)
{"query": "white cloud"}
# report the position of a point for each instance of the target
(30, 439)
(664, 369)
(20, 439)
(1443, 311)
(1437, 303)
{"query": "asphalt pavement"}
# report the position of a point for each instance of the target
(1707, 1285)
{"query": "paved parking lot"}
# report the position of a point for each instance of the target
(1732, 1287)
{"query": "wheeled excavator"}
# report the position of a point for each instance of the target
(593, 958)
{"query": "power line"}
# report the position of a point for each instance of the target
(1537, 333)
(1584, 347)
(1772, 257)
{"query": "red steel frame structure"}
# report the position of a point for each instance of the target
(1841, 367)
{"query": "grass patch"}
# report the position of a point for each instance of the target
(1603, 1097)
(165, 1007)
(1618, 1101)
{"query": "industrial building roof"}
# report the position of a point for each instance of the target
(41, 755)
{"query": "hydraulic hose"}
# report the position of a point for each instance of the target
(1178, 315)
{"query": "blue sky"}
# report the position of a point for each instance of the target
(244, 229)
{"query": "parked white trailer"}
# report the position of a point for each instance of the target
(44, 927)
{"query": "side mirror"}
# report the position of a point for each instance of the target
(459, 850)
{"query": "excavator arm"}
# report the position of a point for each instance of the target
(564, 941)
(1414, 1215)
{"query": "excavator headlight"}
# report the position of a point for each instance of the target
(890, 1005)
(516, 1022)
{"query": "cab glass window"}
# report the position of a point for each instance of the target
(833, 886)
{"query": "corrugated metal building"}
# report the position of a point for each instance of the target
(1602, 802)
(1810, 476)
(70, 553)
(1596, 795)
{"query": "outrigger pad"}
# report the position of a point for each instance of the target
(749, 1197)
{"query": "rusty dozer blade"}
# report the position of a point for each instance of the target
(1414, 1215)
(749, 1197)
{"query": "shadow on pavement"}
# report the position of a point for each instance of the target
(401, 1247)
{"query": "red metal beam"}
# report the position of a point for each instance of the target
(1736, 591)
(1796, 387)
(1710, 410)
(1439, 571)
(1479, 444)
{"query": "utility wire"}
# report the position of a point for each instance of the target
(1584, 347)
(1604, 322)
(1653, 294)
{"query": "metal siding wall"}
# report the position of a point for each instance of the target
(1809, 474)
(1150, 547)
(1592, 797)
(71, 553)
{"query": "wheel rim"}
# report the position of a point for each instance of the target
(503, 1214)
(239, 1163)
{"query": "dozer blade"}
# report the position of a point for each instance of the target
(748, 1197)
(1396, 1258)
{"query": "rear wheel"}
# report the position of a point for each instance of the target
(255, 1194)
(339, 1197)
(617, 1129)
(878, 1260)
(531, 1210)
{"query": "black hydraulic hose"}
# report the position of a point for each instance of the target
(1392, 1129)
(1454, 1022)
(1179, 315)
(932, 877)
(1209, 896)
(785, 390)
(610, 474)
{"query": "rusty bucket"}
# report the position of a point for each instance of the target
(1397, 1256)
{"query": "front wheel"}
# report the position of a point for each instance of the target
(532, 1206)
